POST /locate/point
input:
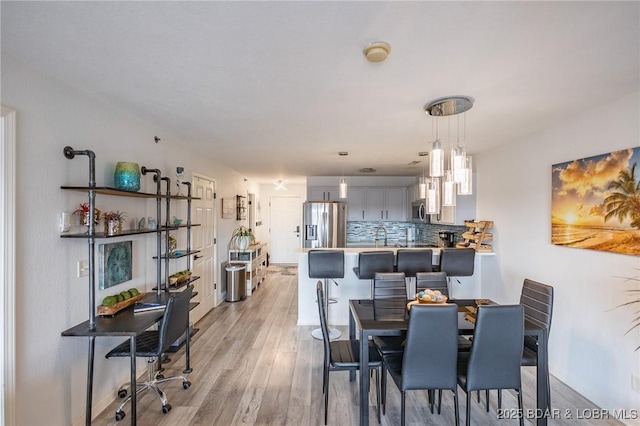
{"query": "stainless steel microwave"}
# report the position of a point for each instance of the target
(419, 212)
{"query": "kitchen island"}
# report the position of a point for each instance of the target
(351, 287)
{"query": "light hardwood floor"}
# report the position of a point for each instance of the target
(253, 365)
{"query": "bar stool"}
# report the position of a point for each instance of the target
(411, 262)
(325, 265)
(457, 262)
(370, 262)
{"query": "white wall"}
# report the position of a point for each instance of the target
(266, 192)
(51, 370)
(588, 348)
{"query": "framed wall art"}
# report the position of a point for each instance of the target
(115, 264)
(596, 202)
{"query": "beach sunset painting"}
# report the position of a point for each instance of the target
(596, 202)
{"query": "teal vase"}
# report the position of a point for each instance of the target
(127, 176)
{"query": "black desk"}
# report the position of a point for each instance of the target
(125, 323)
(361, 317)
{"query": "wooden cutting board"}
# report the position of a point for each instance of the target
(114, 309)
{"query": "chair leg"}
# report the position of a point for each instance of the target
(455, 405)
(487, 397)
(519, 391)
(383, 386)
(326, 399)
(402, 406)
(499, 399)
(378, 393)
(432, 399)
(468, 417)
(439, 400)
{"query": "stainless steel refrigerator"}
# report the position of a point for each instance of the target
(324, 224)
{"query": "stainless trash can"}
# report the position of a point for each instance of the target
(236, 282)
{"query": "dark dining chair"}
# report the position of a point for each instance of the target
(429, 360)
(412, 261)
(326, 265)
(389, 303)
(432, 281)
(152, 344)
(457, 262)
(370, 262)
(496, 352)
(344, 355)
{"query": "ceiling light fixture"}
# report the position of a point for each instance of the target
(342, 186)
(459, 176)
(422, 182)
(280, 185)
(377, 52)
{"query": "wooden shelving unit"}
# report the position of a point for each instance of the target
(476, 236)
(255, 259)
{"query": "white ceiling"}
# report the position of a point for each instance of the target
(276, 89)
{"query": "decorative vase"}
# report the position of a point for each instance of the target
(243, 242)
(112, 227)
(127, 176)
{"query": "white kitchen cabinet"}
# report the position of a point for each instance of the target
(377, 203)
(355, 203)
(322, 193)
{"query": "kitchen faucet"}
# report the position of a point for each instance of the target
(385, 235)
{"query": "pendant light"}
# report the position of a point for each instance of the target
(432, 204)
(458, 154)
(342, 186)
(436, 157)
(422, 181)
(466, 186)
(448, 189)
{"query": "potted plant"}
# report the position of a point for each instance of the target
(241, 238)
(83, 212)
(113, 221)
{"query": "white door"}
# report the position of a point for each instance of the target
(285, 218)
(204, 262)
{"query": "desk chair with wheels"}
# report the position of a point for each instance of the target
(326, 265)
(152, 344)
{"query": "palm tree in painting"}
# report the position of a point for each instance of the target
(625, 200)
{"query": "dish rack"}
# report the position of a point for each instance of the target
(477, 236)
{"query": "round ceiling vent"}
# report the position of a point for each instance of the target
(377, 52)
(367, 170)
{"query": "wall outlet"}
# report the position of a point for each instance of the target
(635, 382)
(82, 268)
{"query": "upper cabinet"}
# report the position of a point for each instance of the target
(377, 203)
(320, 193)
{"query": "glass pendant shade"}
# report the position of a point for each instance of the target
(458, 161)
(448, 190)
(466, 186)
(342, 188)
(422, 188)
(432, 204)
(436, 168)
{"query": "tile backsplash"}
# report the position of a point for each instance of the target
(365, 232)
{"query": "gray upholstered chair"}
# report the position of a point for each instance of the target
(429, 360)
(496, 353)
(457, 262)
(370, 262)
(326, 265)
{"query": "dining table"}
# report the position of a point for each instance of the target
(365, 323)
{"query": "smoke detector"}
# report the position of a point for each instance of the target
(377, 52)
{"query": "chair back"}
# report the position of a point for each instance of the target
(412, 261)
(537, 299)
(370, 262)
(326, 263)
(431, 349)
(323, 324)
(496, 350)
(389, 285)
(457, 262)
(432, 281)
(390, 309)
(175, 321)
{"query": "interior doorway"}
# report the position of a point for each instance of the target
(204, 240)
(7, 265)
(285, 219)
